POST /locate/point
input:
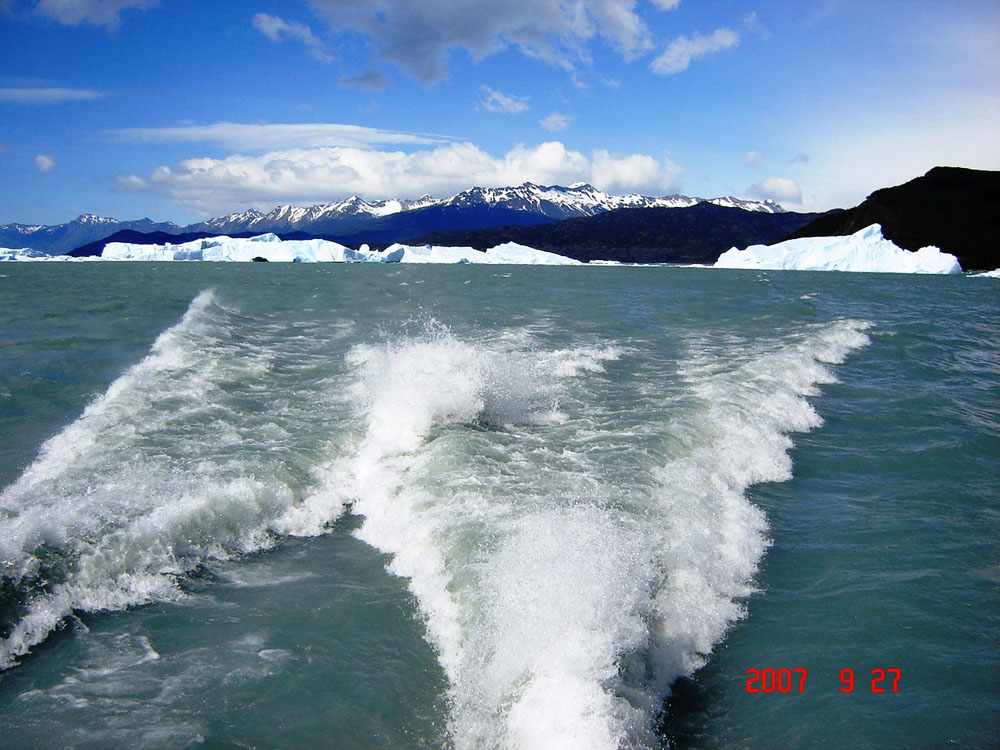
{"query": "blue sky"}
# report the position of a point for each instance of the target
(184, 109)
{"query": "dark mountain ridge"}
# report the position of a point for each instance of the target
(696, 234)
(355, 220)
(954, 208)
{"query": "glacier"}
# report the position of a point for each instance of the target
(30, 254)
(273, 249)
(865, 251)
(510, 253)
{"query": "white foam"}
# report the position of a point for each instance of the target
(572, 547)
(562, 608)
(129, 496)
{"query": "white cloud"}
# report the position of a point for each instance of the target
(96, 12)
(45, 163)
(419, 35)
(679, 53)
(277, 29)
(555, 122)
(666, 4)
(306, 176)
(754, 159)
(262, 137)
(849, 159)
(496, 101)
(49, 96)
(780, 189)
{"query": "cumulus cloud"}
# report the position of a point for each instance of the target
(497, 101)
(96, 12)
(419, 36)
(49, 96)
(679, 53)
(261, 137)
(278, 29)
(303, 176)
(45, 163)
(555, 122)
(780, 189)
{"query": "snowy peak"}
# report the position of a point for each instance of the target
(93, 220)
(582, 199)
(767, 206)
(524, 204)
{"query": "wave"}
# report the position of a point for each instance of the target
(576, 533)
(140, 489)
(563, 605)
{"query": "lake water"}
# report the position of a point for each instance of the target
(357, 506)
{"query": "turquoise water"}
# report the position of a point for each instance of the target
(351, 506)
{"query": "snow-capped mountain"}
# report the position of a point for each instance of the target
(390, 220)
(582, 199)
(61, 238)
(552, 202)
(292, 218)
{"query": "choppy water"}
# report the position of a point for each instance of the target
(360, 507)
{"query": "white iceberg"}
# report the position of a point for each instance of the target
(994, 274)
(865, 251)
(266, 246)
(513, 253)
(273, 249)
(28, 254)
(509, 253)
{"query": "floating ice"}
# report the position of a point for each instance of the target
(266, 246)
(27, 253)
(509, 253)
(864, 251)
(272, 248)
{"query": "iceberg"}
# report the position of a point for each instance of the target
(513, 253)
(28, 254)
(509, 253)
(271, 248)
(865, 251)
(266, 246)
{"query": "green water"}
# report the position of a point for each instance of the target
(581, 481)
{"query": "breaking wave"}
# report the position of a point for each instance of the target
(575, 541)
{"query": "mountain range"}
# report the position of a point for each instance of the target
(355, 221)
(693, 234)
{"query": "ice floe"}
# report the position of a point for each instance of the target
(271, 248)
(864, 251)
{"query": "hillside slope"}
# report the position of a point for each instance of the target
(956, 209)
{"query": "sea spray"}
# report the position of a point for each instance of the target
(168, 469)
(562, 607)
(575, 538)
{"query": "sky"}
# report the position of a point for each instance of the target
(180, 110)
